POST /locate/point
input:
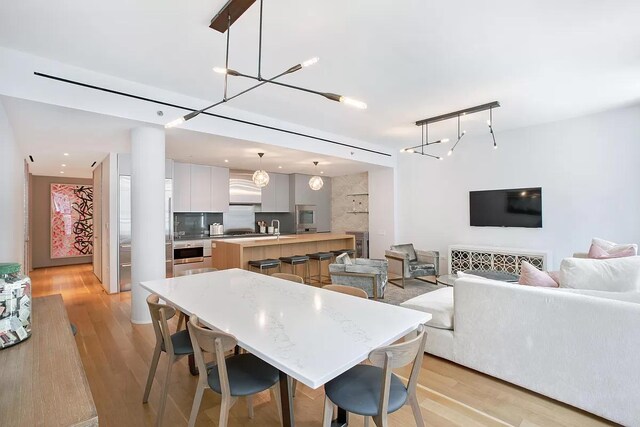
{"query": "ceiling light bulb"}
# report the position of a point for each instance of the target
(226, 160)
(440, 158)
(402, 150)
(353, 102)
(450, 152)
(64, 165)
(65, 154)
(444, 140)
(220, 70)
(176, 122)
(410, 150)
(61, 171)
(321, 172)
(310, 62)
(279, 167)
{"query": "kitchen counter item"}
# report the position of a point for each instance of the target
(15, 305)
(216, 229)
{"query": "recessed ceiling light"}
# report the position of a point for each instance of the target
(61, 171)
(226, 160)
(279, 167)
(66, 154)
(63, 165)
(321, 172)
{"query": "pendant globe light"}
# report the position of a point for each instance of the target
(260, 177)
(316, 182)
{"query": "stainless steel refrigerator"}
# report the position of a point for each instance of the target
(124, 220)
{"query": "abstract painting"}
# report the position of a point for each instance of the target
(71, 220)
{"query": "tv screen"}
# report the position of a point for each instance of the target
(518, 207)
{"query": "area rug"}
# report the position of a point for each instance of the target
(396, 295)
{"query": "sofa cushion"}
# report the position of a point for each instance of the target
(632, 297)
(438, 303)
(531, 276)
(613, 275)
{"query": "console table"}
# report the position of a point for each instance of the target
(43, 381)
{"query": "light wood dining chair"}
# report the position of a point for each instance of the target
(174, 345)
(374, 390)
(288, 276)
(349, 290)
(181, 315)
(240, 375)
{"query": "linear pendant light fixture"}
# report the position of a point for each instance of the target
(229, 14)
(424, 124)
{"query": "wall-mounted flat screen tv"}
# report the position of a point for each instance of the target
(517, 207)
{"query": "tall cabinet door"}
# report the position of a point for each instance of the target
(219, 189)
(282, 193)
(200, 188)
(181, 187)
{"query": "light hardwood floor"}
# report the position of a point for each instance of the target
(116, 356)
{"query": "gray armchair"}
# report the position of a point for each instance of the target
(369, 275)
(415, 264)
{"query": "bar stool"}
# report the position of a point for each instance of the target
(320, 256)
(296, 260)
(265, 264)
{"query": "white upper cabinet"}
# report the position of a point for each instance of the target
(219, 189)
(275, 196)
(181, 187)
(198, 188)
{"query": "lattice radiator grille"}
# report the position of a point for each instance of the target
(463, 258)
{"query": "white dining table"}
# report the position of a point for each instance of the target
(308, 333)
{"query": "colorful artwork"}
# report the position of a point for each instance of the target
(71, 220)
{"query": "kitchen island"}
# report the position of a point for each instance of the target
(236, 253)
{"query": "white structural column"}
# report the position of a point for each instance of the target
(147, 215)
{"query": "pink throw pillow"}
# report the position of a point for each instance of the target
(596, 252)
(531, 276)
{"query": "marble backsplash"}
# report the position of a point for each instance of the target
(350, 202)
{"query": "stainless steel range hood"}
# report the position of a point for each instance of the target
(242, 189)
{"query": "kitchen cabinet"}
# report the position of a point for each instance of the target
(200, 188)
(219, 189)
(302, 194)
(275, 196)
(181, 187)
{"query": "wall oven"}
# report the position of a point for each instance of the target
(187, 256)
(306, 219)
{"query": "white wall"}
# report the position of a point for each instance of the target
(588, 169)
(382, 210)
(11, 194)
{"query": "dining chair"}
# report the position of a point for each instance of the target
(181, 315)
(240, 375)
(288, 276)
(349, 290)
(374, 390)
(174, 345)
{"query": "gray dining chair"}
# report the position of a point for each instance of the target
(240, 375)
(175, 346)
(374, 390)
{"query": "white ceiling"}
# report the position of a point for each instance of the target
(47, 132)
(544, 60)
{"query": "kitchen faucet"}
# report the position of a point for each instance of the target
(276, 230)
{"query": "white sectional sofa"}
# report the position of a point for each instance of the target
(581, 347)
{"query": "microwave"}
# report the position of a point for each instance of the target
(306, 219)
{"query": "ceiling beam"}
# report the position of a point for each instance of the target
(469, 110)
(234, 9)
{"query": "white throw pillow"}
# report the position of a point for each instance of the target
(613, 275)
(614, 248)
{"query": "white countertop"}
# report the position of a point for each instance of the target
(311, 334)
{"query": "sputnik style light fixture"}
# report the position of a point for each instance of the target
(260, 177)
(419, 149)
(316, 182)
(232, 10)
